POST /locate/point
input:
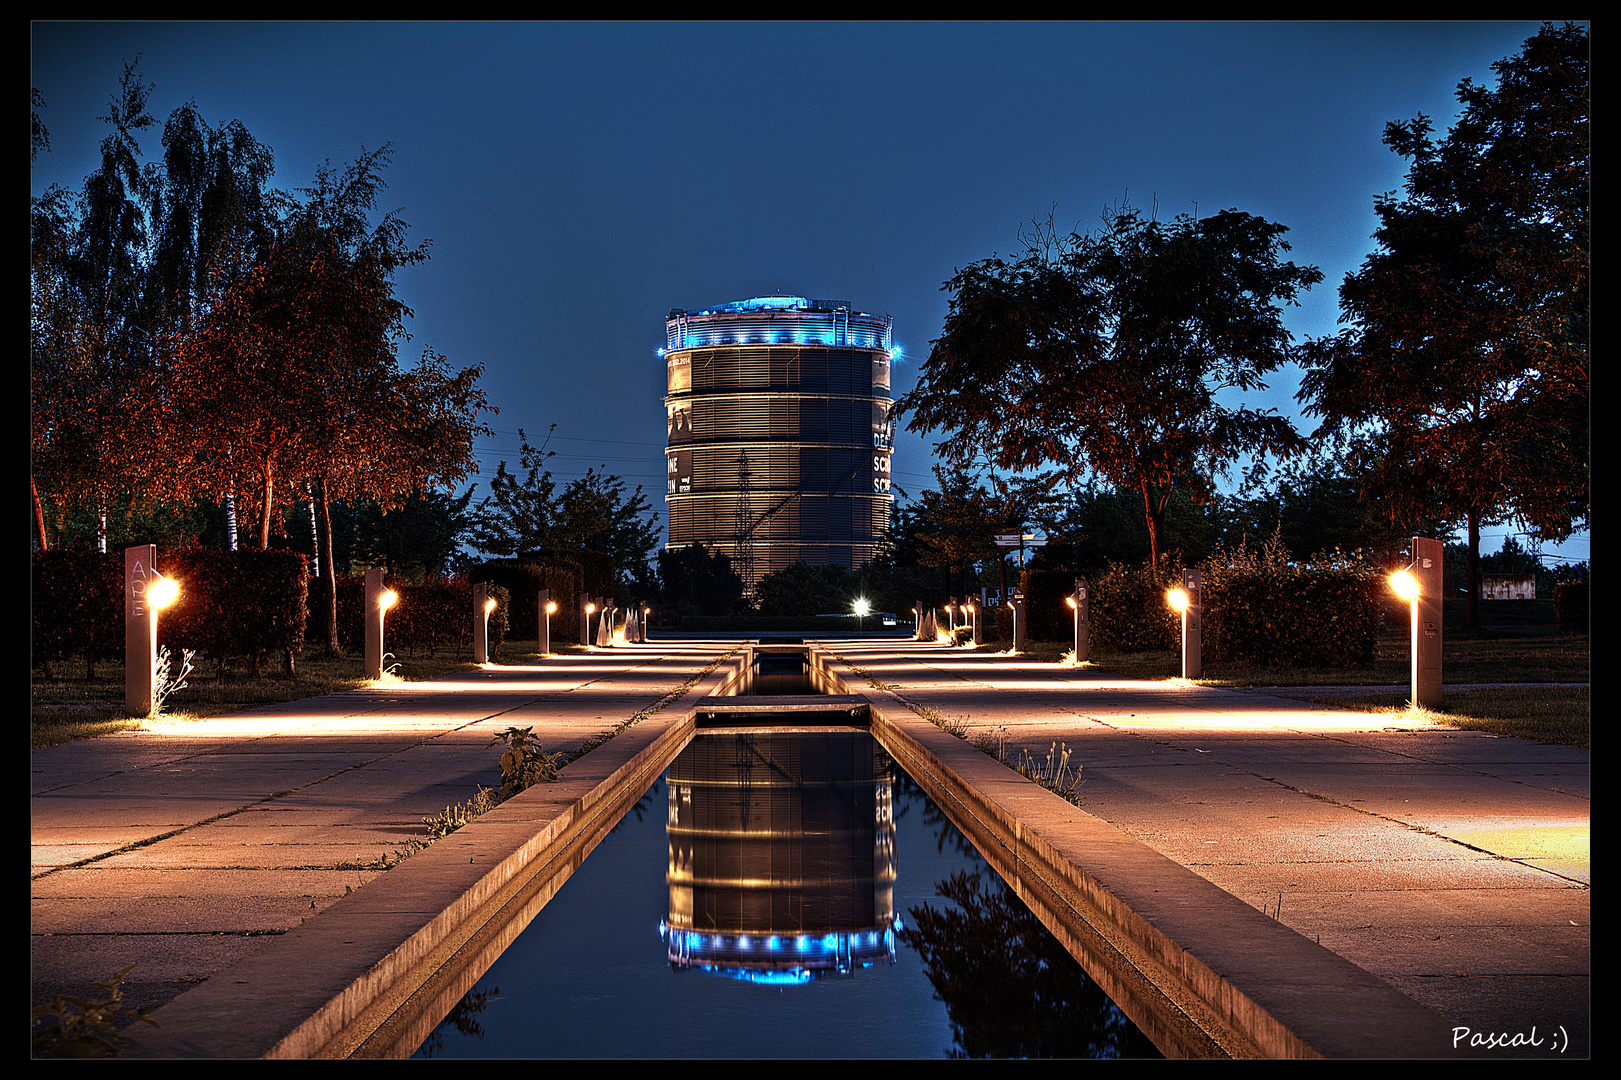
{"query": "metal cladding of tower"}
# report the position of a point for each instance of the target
(779, 432)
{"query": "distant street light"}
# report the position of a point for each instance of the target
(861, 609)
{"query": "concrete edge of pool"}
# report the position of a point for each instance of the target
(1203, 973)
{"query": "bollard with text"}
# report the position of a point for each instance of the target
(1420, 586)
(377, 600)
(1189, 601)
(1083, 630)
(1016, 600)
(146, 592)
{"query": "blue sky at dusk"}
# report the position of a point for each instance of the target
(578, 180)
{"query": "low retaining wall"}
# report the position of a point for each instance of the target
(1202, 973)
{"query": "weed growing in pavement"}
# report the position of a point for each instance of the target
(525, 763)
(85, 1028)
(165, 681)
(1052, 772)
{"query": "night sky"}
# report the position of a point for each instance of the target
(578, 180)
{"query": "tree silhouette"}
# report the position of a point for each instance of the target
(1104, 354)
(1461, 383)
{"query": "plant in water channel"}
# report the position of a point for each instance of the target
(86, 1028)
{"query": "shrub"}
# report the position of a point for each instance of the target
(1570, 606)
(78, 607)
(1127, 611)
(1261, 608)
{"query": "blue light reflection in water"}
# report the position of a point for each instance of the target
(591, 976)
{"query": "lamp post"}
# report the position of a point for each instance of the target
(1187, 600)
(586, 608)
(973, 617)
(1420, 586)
(543, 601)
(483, 604)
(146, 592)
(861, 609)
(1078, 603)
(647, 620)
(1018, 620)
(378, 601)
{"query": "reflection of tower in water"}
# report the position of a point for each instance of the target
(782, 855)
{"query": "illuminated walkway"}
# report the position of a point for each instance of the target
(188, 847)
(1453, 864)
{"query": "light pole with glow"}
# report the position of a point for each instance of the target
(378, 601)
(1078, 603)
(1420, 586)
(1189, 601)
(146, 592)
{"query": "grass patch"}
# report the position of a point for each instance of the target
(70, 709)
(1561, 715)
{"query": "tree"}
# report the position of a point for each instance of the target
(1104, 354)
(802, 589)
(955, 525)
(1461, 381)
(699, 582)
(524, 512)
(595, 514)
(89, 354)
(289, 382)
(517, 514)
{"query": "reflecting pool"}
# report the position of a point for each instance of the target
(791, 895)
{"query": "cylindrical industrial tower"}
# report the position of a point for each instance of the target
(779, 433)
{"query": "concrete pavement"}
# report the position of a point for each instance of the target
(1450, 864)
(188, 847)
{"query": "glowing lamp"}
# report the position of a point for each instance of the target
(489, 605)
(387, 599)
(862, 607)
(551, 607)
(1405, 584)
(1177, 598)
(162, 591)
(1070, 600)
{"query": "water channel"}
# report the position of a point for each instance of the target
(785, 893)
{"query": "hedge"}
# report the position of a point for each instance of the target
(1261, 609)
(232, 604)
(237, 604)
(78, 607)
(435, 615)
(1570, 600)
(523, 578)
